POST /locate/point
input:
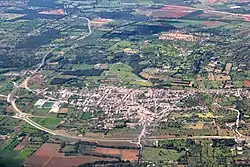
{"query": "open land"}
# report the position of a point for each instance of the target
(124, 83)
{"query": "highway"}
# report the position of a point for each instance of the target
(11, 98)
(26, 81)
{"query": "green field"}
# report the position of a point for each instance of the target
(39, 111)
(25, 153)
(27, 128)
(82, 66)
(183, 23)
(121, 45)
(8, 157)
(158, 154)
(12, 144)
(86, 116)
(125, 73)
(50, 123)
(48, 104)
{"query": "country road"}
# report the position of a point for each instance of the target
(26, 81)
(4, 96)
(11, 98)
(24, 116)
(237, 118)
(141, 135)
(215, 11)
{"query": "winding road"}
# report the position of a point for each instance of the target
(237, 118)
(11, 99)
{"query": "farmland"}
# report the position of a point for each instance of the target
(156, 154)
(124, 83)
(130, 155)
(48, 154)
(50, 122)
(108, 151)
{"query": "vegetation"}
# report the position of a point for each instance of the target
(50, 122)
(158, 154)
(145, 45)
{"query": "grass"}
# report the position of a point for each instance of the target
(12, 145)
(82, 66)
(68, 148)
(75, 33)
(25, 153)
(158, 154)
(8, 154)
(201, 115)
(206, 115)
(27, 128)
(3, 119)
(12, 122)
(142, 83)
(37, 139)
(4, 144)
(121, 45)
(50, 123)
(124, 131)
(8, 157)
(86, 116)
(183, 23)
(39, 111)
(121, 67)
(125, 73)
(215, 84)
(48, 105)
(238, 84)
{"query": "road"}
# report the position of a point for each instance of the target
(11, 98)
(194, 137)
(216, 11)
(237, 118)
(4, 96)
(141, 134)
(25, 117)
(26, 81)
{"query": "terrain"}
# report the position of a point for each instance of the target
(124, 83)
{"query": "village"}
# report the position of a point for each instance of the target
(110, 106)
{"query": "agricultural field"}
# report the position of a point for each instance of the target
(124, 83)
(49, 122)
(157, 154)
(49, 154)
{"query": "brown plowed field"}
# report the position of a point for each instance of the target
(53, 12)
(23, 143)
(48, 156)
(49, 149)
(74, 161)
(247, 18)
(118, 144)
(36, 161)
(247, 83)
(46, 161)
(211, 23)
(176, 11)
(130, 155)
(110, 151)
